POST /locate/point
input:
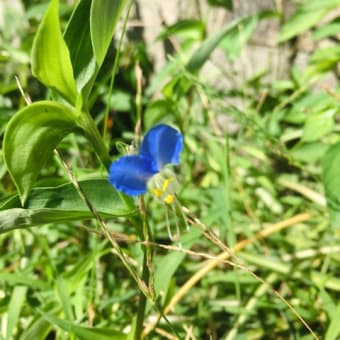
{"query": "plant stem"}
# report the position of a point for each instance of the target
(90, 129)
(141, 303)
(146, 272)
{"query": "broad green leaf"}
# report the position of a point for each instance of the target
(331, 181)
(78, 39)
(30, 138)
(15, 305)
(62, 204)
(333, 330)
(85, 333)
(323, 60)
(318, 125)
(308, 152)
(51, 62)
(104, 17)
(309, 14)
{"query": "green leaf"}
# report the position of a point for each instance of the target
(189, 28)
(23, 279)
(327, 30)
(30, 138)
(308, 152)
(331, 181)
(63, 296)
(333, 330)
(119, 100)
(235, 40)
(85, 333)
(62, 204)
(309, 14)
(323, 60)
(15, 305)
(176, 88)
(78, 39)
(318, 125)
(202, 54)
(166, 266)
(228, 4)
(38, 329)
(104, 17)
(51, 62)
(156, 112)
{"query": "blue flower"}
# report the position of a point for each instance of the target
(161, 145)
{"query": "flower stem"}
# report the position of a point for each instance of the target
(147, 275)
(89, 127)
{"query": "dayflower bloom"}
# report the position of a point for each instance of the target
(130, 174)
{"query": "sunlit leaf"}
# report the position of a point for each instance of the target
(202, 54)
(15, 305)
(308, 14)
(318, 125)
(167, 265)
(235, 39)
(30, 137)
(323, 60)
(308, 152)
(333, 330)
(327, 30)
(156, 112)
(105, 15)
(331, 181)
(38, 329)
(78, 39)
(61, 204)
(85, 333)
(51, 62)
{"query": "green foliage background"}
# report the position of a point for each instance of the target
(258, 255)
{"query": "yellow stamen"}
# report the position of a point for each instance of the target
(169, 199)
(166, 183)
(160, 192)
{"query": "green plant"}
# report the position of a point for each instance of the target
(256, 210)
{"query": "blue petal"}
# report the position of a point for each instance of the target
(162, 144)
(129, 174)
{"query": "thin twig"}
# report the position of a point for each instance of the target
(21, 90)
